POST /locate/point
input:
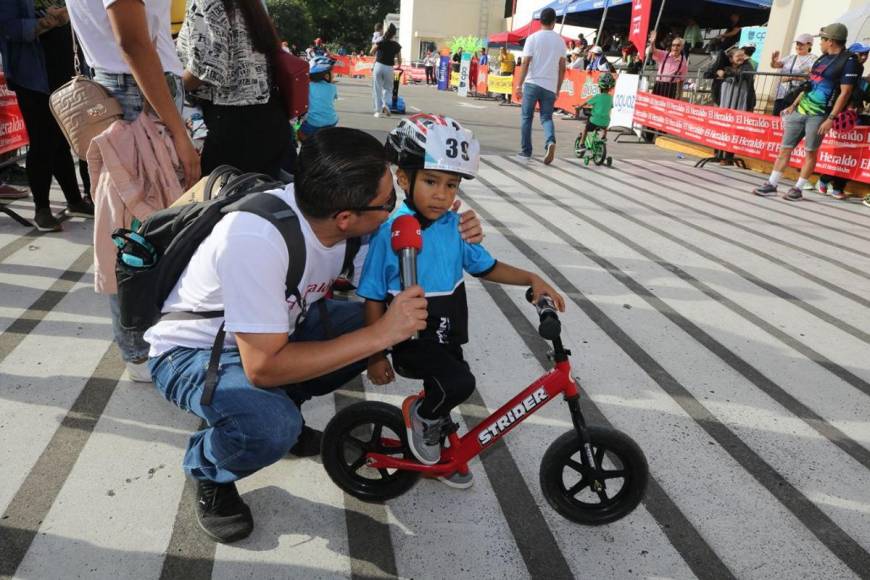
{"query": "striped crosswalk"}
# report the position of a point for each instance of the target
(727, 334)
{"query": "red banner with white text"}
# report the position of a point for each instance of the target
(843, 153)
(639, 23)
(13, 134)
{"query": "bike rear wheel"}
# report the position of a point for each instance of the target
(598, 494)
(362, 428)
(599, 154)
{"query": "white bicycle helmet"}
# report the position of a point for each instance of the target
(425, 141)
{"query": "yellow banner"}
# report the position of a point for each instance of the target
(454, 79)
(500, 85)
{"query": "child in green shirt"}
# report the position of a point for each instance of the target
(601, 104)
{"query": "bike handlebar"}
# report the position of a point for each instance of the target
(550, 328)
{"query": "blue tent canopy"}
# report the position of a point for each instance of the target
(708, 13)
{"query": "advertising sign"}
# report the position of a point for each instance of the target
(500, 85)
(639, 24)
(624, 98)
(464, 72)
(843, 153)
(444, 73)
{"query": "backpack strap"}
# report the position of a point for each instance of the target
(276, 211)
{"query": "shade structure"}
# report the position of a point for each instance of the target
(858, 23)
(518, 35)
(708, 13)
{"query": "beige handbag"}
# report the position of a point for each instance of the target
(83, 108)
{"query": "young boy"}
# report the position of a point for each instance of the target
(601, 104)
(321, 97)
(433, 154)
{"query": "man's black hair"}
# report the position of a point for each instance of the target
(338, 168)
(548, 16)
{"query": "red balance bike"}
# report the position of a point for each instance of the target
(590, 475)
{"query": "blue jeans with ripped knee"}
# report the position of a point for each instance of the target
(249, 428)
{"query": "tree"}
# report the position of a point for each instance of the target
(344, 22)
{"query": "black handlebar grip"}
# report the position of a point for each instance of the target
(550, 328)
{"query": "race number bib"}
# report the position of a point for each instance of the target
(449, 149)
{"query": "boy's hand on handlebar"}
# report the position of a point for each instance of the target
(380, 371)
(539, 287)
(405, 316)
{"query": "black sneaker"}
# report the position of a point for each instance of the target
(83, 208)
(221, 513)
(793, 194)
(45, 221)
(767, 189)
(308, 444)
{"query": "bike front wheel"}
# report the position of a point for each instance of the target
(601, 493)
(354, 432)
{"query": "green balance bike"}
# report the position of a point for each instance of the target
(595, 149)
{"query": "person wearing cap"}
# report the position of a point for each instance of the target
(796, 66)
(597, 61)
(831, 184)
(541, 74)
(832, 80)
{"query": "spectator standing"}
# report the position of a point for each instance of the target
(387, 54)
(692, 35)
(582, 44)
(226, 47)
(129, 46)
(730, 37)
(319, 49)
(832, 80)
(738, 90)
(672, 67)
(506, 66)
(541, 76)
(37, 59)
(484, 58)
(830, 184)
(429, 65)
(457, 60)
(798, 64)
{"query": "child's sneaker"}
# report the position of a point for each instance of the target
(837, 194)
(767, 189)
(457, 480)
(424, 435)
(866, 200)
(822, 187)
(793, 194)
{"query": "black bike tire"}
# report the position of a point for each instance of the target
(568, 445)
(601, 154)
(332, 452)
(577, 147)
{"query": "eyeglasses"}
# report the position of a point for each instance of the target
(387, 207)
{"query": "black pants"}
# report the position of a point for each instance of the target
(249, 137)
(49, 154)
(447, 379)
(430, 75)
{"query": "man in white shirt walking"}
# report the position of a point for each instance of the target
(540, 78)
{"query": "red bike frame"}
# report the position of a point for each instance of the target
(497, 425)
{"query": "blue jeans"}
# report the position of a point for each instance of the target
(533, 94)
(123, 87)
(130, 342)
(248, 427)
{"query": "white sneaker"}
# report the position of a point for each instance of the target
(378, 115)
(522, 158)
(138, 372)
(457, 480)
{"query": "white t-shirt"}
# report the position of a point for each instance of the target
(241, 268)
(91, 24)
(545, 47)
(797, 64)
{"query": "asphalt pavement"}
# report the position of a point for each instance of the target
(727, 334)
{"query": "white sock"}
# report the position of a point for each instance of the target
(774, 178)
(801, 183)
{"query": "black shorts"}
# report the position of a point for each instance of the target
(590, 126)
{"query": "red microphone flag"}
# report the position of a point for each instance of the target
(406, 234)
(639, 24)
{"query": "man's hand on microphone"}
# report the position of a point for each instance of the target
(405, 316)
(469, 225)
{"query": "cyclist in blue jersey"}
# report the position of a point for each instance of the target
(433, 154)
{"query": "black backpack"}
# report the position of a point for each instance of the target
(152, 258)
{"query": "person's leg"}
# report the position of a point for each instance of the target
(547, 100)
(85, 176)
(327, 319)
(530, 97)
(387, 82)
(33, 106)
(377, 93)
(131, 343)
(64, 172)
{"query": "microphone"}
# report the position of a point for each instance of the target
(407, 241)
